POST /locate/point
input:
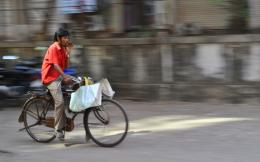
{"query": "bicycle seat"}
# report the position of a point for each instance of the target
(40, 92)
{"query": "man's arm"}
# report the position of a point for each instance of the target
(68, 51)
(66, 78)
(68, 60)
(58, 68)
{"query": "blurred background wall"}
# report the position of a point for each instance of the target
(107, 18)
(185, 50)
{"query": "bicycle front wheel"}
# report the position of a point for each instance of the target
(38, 119)
(107, 125)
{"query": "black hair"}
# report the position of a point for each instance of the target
(60, 33)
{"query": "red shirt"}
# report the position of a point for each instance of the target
(54, 55)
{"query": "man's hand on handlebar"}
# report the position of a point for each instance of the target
(68, 79)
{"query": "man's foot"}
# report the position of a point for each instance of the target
(60, 135)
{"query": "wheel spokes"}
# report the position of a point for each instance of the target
(32, 114)
(36, 124)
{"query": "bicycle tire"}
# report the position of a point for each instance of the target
(37, 110)
(102, 123)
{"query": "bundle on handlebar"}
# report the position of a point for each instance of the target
(77, 82)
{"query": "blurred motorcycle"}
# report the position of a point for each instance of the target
(24, 76)
(15, 81)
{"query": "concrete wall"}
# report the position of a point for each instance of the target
(201, 68)
(218, 68)
(205, 13)
(254, 14)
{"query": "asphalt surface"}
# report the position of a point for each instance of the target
(159, 132)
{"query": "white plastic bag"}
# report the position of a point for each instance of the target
(86, 97)
(106, 88)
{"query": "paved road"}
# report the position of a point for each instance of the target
(159, 132)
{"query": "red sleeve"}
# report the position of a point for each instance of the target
(53, 55)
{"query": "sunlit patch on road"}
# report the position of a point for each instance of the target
(175, 123)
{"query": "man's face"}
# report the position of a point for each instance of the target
(64, 41)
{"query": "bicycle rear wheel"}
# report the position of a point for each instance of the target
(38, 119)
(107, 125)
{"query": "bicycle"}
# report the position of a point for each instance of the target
(106, 125)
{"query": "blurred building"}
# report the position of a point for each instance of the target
(222, 66)
(23, 19)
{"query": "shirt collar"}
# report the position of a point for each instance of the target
(57, 45)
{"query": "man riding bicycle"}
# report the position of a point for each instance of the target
(55, 61)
